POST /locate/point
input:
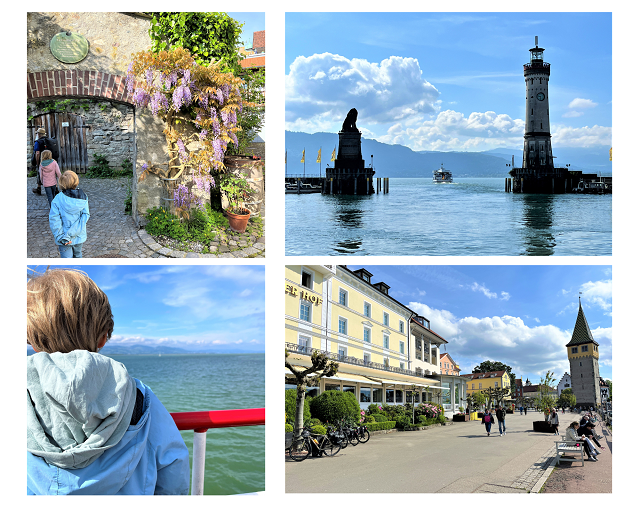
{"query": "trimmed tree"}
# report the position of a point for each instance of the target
(321, 366)
(332, 406)
(566, 399)
(545, 399)
(496, 366)
(495, 395)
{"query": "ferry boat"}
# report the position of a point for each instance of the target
(305, 188)
(442, 175)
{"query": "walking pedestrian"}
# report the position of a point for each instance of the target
(488, 419)
(49, 172)
(68, 216)
(525, 410)
(500, 416)
(520, 410)
(554, 421)
(38, 148)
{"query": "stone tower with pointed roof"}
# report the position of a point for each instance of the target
(583, 355)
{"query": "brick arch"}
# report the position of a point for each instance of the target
(44, 85)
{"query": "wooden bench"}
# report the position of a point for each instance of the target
(566, 447)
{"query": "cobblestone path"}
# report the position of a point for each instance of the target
(110, 232)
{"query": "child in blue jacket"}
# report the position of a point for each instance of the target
(68, 216)
(91, 427)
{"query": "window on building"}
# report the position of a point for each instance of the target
(367, 309)
(307, 279)
(399, 396)
(342, 325)
(377, 395)
(365, 394)
(473, 386)
(402, 366)
(385, 361)
(343, 297)
(402, 347)
(390, 395)
(331, 387)
(304, 344)
(305, 311)
(479, 385)
(367, 358)
(342, 352)
(366, 336)
(580, 363)
(385, 319)
(495, 384)
(585, 348)
(401, 327)
(574, 350)
(349, 389)
(385, 341)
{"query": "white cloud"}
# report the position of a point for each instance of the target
(505, 296)
(582, 103)
(527, 349)
(581, 137)
(482, 288)
(598, 294)
(322, 88)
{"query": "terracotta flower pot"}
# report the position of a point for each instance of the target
(238, 222)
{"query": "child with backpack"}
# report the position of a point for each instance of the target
(91, 427)
(49, 174)
(41, 144)
(68, 216)
(488, 419)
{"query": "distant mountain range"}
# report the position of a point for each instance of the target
(396, 161)
(159, 349)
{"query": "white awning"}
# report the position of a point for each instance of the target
(350, 377)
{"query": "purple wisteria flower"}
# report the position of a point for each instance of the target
(148, 74)
(182, 152)
(181, 96)
(158, 101)
(215, 128)
(226, 89)
(234, 138)
(218, 150)
(220, 96)
(225, 117)
(145, 166)
(203, 134)
(140, 97)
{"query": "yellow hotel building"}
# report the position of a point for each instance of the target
(358, 324)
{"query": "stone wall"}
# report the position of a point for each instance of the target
(111, 131)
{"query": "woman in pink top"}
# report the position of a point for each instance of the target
(49, 174)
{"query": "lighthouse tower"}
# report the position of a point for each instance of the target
(537, 153)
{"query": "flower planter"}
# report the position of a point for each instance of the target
(460, 417)
(543, 426)
(238, 222)
(252, 170)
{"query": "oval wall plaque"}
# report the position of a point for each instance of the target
(69, 47)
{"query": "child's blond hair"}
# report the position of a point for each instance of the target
(68, 180)
(66, 311)
(46, 155)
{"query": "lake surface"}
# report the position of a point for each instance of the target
(203, 382)
(471, 217)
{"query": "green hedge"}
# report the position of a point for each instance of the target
(318, 429)
(380, 418)
(332, 406)
(288, 428)
(383, 425)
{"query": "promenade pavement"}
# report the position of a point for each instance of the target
(456, 458)
(113, 234)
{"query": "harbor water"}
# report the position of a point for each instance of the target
(203, 382)
(470, 217)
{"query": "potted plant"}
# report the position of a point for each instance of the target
(235, 188)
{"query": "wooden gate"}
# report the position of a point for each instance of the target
(70, 131)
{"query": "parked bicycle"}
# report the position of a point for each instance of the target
(363, 433)
(303, 446)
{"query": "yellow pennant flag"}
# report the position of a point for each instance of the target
(302, 161)
(610, 154)
(319, 159)
(333, 155)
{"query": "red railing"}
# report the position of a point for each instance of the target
(200, 422)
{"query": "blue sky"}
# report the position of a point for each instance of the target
(253, 22)
(447, 81)
(191, 307)
(522, 316)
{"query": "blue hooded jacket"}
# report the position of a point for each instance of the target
(68, 217)
(79, 437)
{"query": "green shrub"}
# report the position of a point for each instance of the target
(403, 422)
(393, 411)
(101, 169)
(288, 428)
(374, 409)
(332, 406)
(314, 421)
(383, 425)
(160, 221)
(380, 418)
(369, 419)
(318, 429)
(422, 418)
(290, 397)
